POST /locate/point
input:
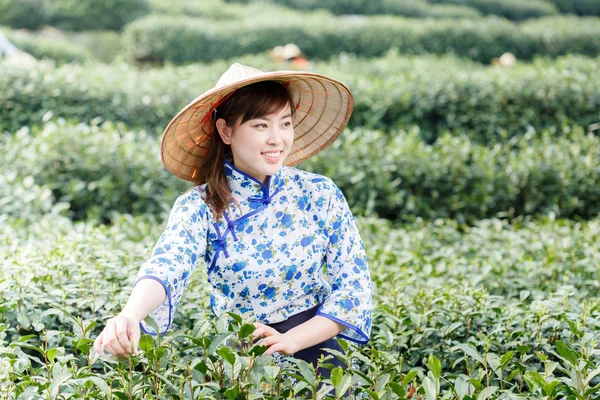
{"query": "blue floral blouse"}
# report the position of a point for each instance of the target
(288, 247)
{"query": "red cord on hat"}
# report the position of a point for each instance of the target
(213, 107)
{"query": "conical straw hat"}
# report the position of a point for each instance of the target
(323, 108)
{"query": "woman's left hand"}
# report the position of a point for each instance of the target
(275, 341)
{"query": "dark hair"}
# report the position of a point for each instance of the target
(253, 101)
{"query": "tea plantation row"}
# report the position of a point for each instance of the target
(321, 36)
(510, 9)
(490, 311)
(435, 93)
(87, 171)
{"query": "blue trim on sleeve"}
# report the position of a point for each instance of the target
(354, 328)
(168, 297)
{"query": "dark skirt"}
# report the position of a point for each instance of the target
(312, 354)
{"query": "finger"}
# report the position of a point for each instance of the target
(135, 338)
(98, 345)
(277, 347)
(268, 331)
(121, 330)
(112, 339)
(110, 349)
(268, 341)
(258, 332)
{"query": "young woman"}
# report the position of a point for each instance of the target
(278, 243)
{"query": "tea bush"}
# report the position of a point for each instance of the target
(71, 14)
(510, 9)
(398, 176)
(415, 9)
(579, 7)
(397, 91)
(508, 310)
(40, 47)
(321, 36)
(27, 14)
(94, 171)
(80, 15)
(211, 9)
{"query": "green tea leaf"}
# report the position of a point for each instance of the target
(409, 377)
(232, 393)
(246, 330)
(567, 352)
(336, 376)
(487, 392)
(307, 371)
(435, 366)
(227, 355)
(470, 350)
(505, 359)
(146, 342)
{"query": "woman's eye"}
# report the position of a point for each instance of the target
(260, 125)
(288, 124)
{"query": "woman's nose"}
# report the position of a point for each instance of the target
(275, 135)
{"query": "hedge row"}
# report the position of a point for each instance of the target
(71, 14)
(435, 93)
(511, 9)
(515, 10)
(523, 297)
(215, 9)
(508, 8)
(398, 176)
(406, 8)
(102, 170)
(44, 48)
(103, 46)
(169, 38)
(579, 7)
(96, 171)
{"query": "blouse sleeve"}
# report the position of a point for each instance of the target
(178, 252)
(350, 300)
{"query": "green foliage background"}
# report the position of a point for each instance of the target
(476, 188)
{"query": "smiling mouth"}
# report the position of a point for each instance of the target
(272, 155)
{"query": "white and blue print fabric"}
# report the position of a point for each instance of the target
(286, 248)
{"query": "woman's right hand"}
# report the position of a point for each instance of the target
(120, 335)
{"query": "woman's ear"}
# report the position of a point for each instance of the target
(224, 130)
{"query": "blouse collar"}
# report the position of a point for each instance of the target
(248, 187)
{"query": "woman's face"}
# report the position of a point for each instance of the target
(251, 141)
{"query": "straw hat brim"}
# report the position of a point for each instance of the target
(323, 108)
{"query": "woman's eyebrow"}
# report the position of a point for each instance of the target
(269, 119)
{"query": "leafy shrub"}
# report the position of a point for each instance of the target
(61, 51)
(28, 14)
(473, 307)
(407, 8)
(579, 7)
(104, 45)
(397, 91)
(511, 9)
(75, 15)
(209, 9)
(102, 170)
(320, 36)
(548, 35)
(79, 15)
(96, 171)
(399, 177)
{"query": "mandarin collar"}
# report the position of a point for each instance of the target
(248, 187)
